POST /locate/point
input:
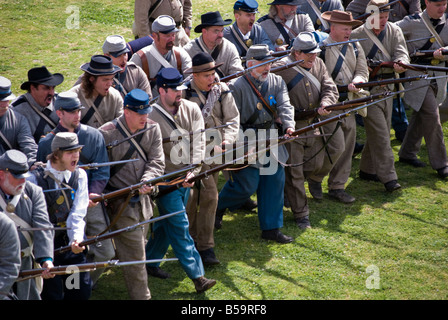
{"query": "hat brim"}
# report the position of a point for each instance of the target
(55, 80)
(141, 110)
(198, 29)
(327, 17)
(9, 97)
(290, 3)
(198, 69)
(86, 68)
(78, 146)
(116, 54)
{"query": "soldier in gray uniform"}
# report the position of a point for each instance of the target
(346, 64)
(162, 53)
(15, 132)
(309, 86)
(245, 31)
(213, 42)
(425, 119)
(218, 108)
(37, 104)
(399, 10)
(385, 42)
(24, 203)
(266, 176)
(147, 148)
(9, 257)
(283, 23)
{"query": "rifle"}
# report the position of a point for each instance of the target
(306, 114)
(286, 66)
(350, 103)
(90, 166)
(112, 234)
(426, 53)
(84, 267)
(342, 88)
(117, 142)
(364, 16)
(152, 182)
(390, 64)
(179, 137)
(322, 46)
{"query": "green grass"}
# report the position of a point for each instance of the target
(403, 235)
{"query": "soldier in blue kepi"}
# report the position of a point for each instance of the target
(245, 31)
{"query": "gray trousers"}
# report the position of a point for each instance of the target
(425, 123)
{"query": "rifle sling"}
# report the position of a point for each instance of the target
(92, 110)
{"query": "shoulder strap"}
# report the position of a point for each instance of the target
(144, 60)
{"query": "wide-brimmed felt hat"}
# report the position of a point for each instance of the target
(138, 101)
(41, 75)
(5, 90)
(115, 45)
(203, 62)
(67, 101)
(211, 19)
(286, 2)
(250, 6)
(65, 141)
(100, 65)
(378, 3)
(341, 17)
(15, 162)
(259, 52)
(170, 78)
(306, 42)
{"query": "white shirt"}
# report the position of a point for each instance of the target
(75, 220)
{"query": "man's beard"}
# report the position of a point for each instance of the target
(14, 191)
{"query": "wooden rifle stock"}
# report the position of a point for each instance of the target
(125, 191)
(426, 53)
(307, 114)
(415, 67)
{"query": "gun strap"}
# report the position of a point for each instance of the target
(93, 110)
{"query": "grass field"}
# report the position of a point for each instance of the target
(382, 247)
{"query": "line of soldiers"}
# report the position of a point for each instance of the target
(165, 106)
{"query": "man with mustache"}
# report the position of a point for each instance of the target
(425, 120)
(15, 132)
(385, 42)
(147, 149)
(218, 108)
(69, 110)
(24, 203)
(310, 87)
(162, 53)
(283, 23)
(146, 11)
(66, 208)
(213, 42)
(177, 116)
(102, 102)
(263, 102)
(245, 32)
(37, 104)
(346, 64)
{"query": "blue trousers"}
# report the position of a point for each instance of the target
(270, 188)
(399, 119)
(174, 231)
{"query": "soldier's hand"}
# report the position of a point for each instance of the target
(187, 183)
(91, 203)
(352, 88)
(398, 68)
(438, 54)
(48, 265)
(76, 248)
(145, 189)
(322, 111)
